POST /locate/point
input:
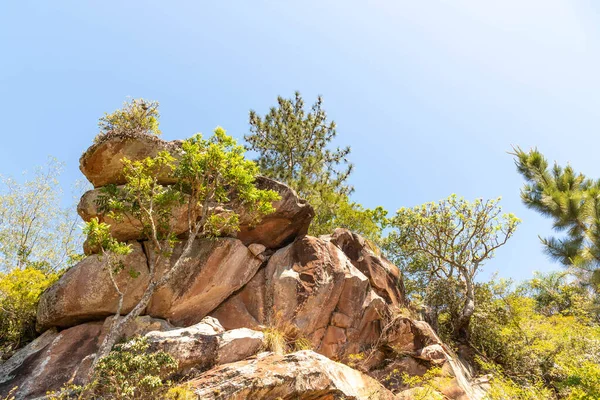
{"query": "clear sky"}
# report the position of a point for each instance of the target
(429, 94)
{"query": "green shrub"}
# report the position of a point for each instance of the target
(128, 372)
(20, 291)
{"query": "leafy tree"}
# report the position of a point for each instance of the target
(34, 229)
(211, 174)
(450, 241)
(294, 147)
(20, 290)
(138, 116)
(573, 202)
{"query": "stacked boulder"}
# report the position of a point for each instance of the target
(335, 290)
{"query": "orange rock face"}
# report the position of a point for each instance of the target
(85, 292)
(101, 163)
(314, 286)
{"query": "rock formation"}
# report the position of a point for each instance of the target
(336, 292)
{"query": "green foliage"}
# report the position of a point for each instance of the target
(503, 388)
(448, 242)
(215, 170)
(573, 203)
(530, 346)
(34, 229)
(338, 211)
(428, 386)
(138, 116)
(130, 371)
(20, 290)
(293, 147)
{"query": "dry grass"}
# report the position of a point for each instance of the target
(282, 337)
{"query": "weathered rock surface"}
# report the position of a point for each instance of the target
(290, 220)
(206, 344)
(101, 163)
(314, 286)
(214, 270)
(300, 375)
(385, 277)
(85, 292)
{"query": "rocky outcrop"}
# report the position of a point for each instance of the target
(312, 285)
(300, 375)
(55, 357)
(336, 292)
(215, 269)
(290, 219)
(102, 165)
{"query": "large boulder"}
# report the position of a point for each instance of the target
(206, 344)
(85, 292)
(291, 218)
(385, 277)
(213, 271)
(101, 163)
(311, 285)
(300, 375)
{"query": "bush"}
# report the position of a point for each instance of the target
(129, 372)
(541, 354)
(20, 291)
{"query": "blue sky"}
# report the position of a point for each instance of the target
(430, 95)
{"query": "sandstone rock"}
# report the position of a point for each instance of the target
(216, 268)
(206, 344)
(311, 285)
(290, 219)
(434, 353)
(101, 163)
(56, 358)
(86, 293)
(300, 375)
(385, 277)
(51, 360)
(407, 335)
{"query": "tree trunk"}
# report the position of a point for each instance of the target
(115, 330)
(461, 328)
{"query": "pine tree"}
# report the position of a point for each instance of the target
(294, 147)
(573, 202)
